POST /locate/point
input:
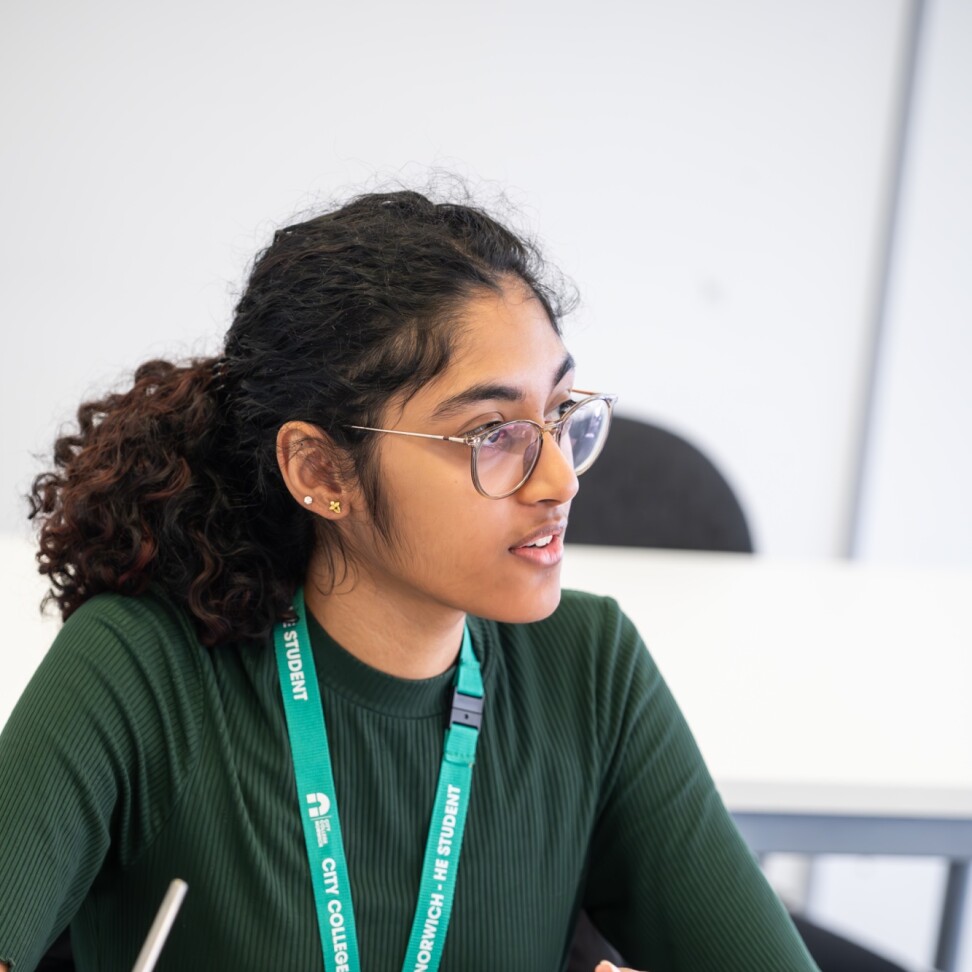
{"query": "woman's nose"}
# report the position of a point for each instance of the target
(553, 478)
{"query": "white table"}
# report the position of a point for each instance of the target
(830, 699)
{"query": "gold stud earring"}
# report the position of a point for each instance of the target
(334, 506)
(308, 500)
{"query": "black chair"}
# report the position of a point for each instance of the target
(652, 488)
(59, 957)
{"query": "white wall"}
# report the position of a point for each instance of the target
(917, 492)
(915, 502)
(714, 176)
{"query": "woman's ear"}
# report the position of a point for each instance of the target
(311, 466)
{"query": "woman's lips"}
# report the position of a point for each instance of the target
(546, 556)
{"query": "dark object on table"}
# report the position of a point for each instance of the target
(651, 488)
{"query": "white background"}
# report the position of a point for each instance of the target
(718, 178)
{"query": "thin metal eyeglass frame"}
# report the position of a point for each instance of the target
(475, 441)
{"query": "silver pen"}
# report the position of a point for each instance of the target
(159, 931)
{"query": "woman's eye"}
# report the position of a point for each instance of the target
(564, 407)
(498, 436)
(483, 429)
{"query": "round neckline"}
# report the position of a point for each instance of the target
(365, 686)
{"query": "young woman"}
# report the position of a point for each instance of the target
(317, 662)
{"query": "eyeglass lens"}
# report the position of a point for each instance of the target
(507, 455)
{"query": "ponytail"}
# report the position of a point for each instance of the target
(139, 494)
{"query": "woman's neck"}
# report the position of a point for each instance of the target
(401, 639)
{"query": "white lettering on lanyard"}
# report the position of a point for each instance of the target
(339, 938)
(440, 874)
(330, 876)
(448, 829)
(298, 683)
(429, 932)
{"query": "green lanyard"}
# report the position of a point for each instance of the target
(317, 799)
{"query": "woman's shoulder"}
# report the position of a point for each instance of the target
(121, 637)
(113, 720)
(125, 674)
(153, 605)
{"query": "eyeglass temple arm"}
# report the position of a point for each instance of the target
(417, 435)
(470, 439)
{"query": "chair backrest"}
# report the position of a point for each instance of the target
(652, 488)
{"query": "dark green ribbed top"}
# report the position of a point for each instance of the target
(136, 756)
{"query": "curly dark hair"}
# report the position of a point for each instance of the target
(175, 481)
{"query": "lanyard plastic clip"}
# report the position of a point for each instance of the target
(467, 710)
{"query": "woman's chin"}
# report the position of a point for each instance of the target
(523, 609)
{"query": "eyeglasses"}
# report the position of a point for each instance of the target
(504, 455)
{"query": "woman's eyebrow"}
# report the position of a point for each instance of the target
(566, 366)
(494, 392)
(486, 392)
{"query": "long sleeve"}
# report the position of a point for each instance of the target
(671, 882)
(91, 760)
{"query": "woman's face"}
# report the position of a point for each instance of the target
(454, 548)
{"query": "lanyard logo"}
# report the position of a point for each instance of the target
(320, 806)
(319, 810)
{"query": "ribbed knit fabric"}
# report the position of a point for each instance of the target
(136, 756)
